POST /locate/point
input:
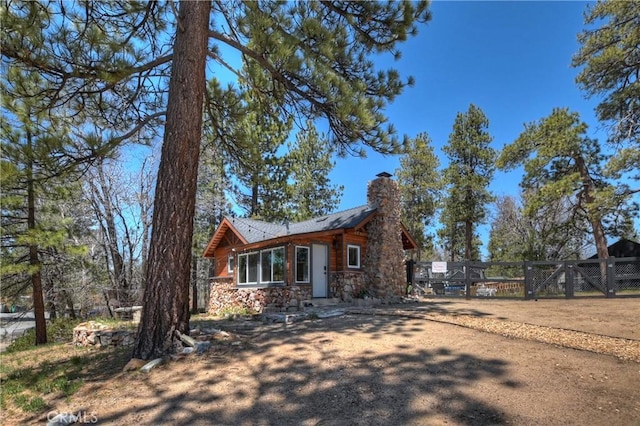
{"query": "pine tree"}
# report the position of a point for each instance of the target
(212, 205)
(259, 167)
(420, 189)
(561, 162)
(37, 160)
(311, 193)
(609, 69)
(470, 170)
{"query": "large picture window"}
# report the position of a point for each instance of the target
(261, 268)
(302, 264)
(353, 256)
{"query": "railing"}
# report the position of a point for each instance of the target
(612, 277)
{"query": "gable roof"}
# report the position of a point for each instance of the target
(251, 231)
(622, 248)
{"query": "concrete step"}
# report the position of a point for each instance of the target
(318, 302)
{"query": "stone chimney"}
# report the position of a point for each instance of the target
(384, 269)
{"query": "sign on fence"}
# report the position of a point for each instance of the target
(439, 267)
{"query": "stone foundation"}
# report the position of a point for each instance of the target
(225, 295)
(95, 334)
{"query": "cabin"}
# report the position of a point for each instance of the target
(344, 255)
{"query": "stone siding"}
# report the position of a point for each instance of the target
(383, 264)
(347, 285)
(225, 295)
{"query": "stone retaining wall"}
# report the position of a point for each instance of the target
(95, 334)
(225, 295)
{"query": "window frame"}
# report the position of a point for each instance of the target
(358, 256)
(246, 270)
(272, 264)
(231, 263)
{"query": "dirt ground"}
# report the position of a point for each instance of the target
(396, 365)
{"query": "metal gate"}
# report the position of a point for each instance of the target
(612, 277)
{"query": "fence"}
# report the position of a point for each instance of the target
(612, 277)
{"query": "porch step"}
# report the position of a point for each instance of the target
(320, 302)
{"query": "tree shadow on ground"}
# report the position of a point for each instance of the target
(294, 374)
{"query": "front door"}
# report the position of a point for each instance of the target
(320, 266)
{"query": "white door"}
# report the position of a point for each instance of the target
(319, 266)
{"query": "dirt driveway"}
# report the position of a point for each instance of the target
(390, 366)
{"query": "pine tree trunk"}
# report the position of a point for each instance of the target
(194, 285)
(468, 235)
(166, 295)
(589, 187)
(34, 259)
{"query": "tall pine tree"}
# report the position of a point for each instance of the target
(609, 68)
(38, 158)
(562, 162)
(470, 170)
(420, 185)
(310, 162)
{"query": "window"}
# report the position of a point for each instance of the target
(353, 256)
(264, 267)
(248, 268)
(230, 263)
(302, 264)
(242, 268)
(272, 265)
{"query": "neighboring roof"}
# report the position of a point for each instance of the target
(251, 231)
(622, 248)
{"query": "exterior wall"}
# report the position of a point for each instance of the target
(225, 295)
(220, 265)
(384, 268)
(346, 285)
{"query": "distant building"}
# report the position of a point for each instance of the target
(622, 248)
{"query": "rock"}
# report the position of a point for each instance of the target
(151, 364)
(134, 364)
(202, 347)
(105, 339)
(127, 340)
(331, 313)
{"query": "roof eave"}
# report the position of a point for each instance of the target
(224, 226)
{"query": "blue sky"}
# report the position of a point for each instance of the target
(511, 59)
